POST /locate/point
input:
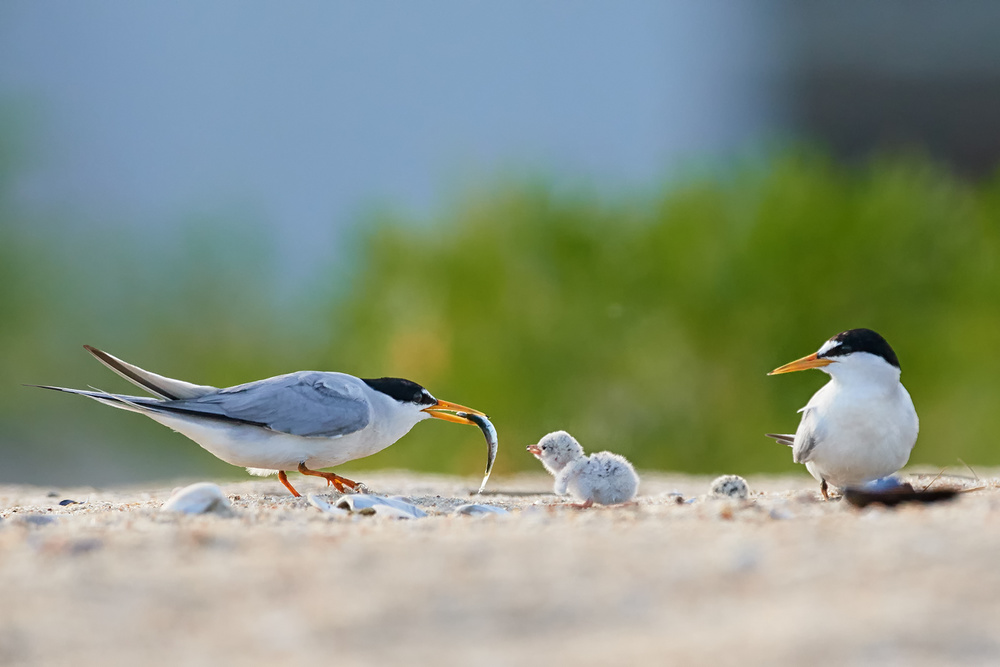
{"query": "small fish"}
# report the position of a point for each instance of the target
(492, 442)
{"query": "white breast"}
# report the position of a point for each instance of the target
(853, 433)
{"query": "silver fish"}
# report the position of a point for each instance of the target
(492, 442)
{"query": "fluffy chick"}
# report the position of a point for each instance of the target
(603, 478)
(729, 486)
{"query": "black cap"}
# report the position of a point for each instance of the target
(860, 340)
(402, 390)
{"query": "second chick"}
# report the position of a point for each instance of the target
(603, 478)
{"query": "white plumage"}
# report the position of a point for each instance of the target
(861, 425)
(298, 421)
(603, 478)
(729, 486)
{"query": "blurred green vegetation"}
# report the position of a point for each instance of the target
(644, 323)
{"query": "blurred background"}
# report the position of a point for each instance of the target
(614, 220)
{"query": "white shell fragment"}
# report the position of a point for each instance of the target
(325, 507)
(481, 510)
(729, 486)
(200, 498)
(395, 508)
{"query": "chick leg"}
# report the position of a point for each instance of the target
(340, 483)
(823, 490)
(583, 506)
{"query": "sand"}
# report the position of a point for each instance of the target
(779, 579)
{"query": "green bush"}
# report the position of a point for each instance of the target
(647, 325)
(644, 324)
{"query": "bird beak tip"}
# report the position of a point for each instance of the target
(809, 361)
(448, 412)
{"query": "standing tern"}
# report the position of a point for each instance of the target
(299, 421)
(861, 425)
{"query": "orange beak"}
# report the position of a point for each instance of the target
(535, 449)
(811, 361)
(445, 410)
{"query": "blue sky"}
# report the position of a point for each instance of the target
(304, 115)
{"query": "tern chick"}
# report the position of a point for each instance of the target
(603, 478)
(729, 486)
(299, 421)
(861, 425)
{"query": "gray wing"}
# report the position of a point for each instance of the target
(808, 435)
(307, 403)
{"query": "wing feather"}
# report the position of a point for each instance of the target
(808, 435)
(158, 385)
(307, 403)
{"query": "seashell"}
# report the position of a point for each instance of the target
(325, 507)
(395, 507)
(200, 498)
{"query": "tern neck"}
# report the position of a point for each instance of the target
(864, 370)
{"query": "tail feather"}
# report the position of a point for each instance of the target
(130, 403)
(149, 406)
(164, 387)
(783, 438)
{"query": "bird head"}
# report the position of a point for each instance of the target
(410, 394)
(853, 353)
(556, 450)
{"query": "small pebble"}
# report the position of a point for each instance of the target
(480, 510)
(806, 497)
(85, 545)
(32, 519)
(889, 483)
(729, 486)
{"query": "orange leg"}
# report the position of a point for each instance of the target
(823, 489)
(583, 506)
(339, 482)
(283, 478)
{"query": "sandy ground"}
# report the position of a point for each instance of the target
(779, 579)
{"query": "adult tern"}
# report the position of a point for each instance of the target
(861, 425)
(300, 421)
